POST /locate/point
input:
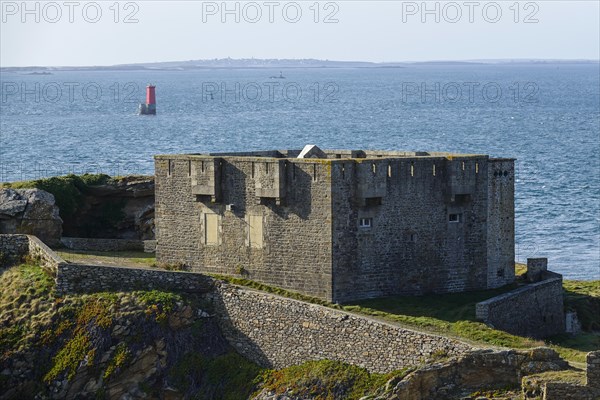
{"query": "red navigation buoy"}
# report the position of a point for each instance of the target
(150, 107)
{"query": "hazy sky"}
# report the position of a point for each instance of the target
(106, 32)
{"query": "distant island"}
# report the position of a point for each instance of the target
(258, 63)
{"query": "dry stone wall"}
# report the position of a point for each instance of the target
(92, 244)
(278, 332)
(78, 278)
(535, 310)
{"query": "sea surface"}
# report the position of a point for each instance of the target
(547, 116)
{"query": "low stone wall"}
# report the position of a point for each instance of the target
(13, 247)
(570, 391)
(535, 310)
(79, 278)
(92, 244)
(48, 259)
(278, 332)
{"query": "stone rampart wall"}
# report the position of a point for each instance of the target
(278, 332)
(535, 310)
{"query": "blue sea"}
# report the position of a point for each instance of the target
(547, 116)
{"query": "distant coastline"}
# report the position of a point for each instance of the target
(254, 63)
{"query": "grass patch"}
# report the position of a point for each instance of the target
(584, 298)
(227, 377)
(326, 380)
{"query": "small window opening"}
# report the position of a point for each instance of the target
(454, 217)
(462, 198)
(389, 170)
(463, 165)
(189, 168)
(170, 171)
(477, 168)
(315, 172)
(343, 171)
(500, 273)
(374, 168)
(433, 170)
(412, 169)
(412, 238)
(267, 168)
(365, 223)
(253, 170)
(338, 156)
(372, 201)
(202, 166)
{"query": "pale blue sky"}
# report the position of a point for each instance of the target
(365, 30)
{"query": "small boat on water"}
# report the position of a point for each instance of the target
(278, 77)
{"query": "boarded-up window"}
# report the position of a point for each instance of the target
(211, 229)
(255, 231)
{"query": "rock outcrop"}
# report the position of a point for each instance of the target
(30, 211)
(121, 208)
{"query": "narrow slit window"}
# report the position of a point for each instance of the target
(343, 171)
(389, 170)
(433, 170)
(252, 170)
(315, 172)
(170, 171)
(189, 168)
(202, 167)
(463, 165)
(412, 169)
(374, 168)
(476, 168)
(267, 168)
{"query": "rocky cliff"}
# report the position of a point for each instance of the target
(93, 206)
(30, 211)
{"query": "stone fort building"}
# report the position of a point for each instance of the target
(340, 225)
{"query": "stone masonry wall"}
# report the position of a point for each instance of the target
(92, 244)
(500, 222)
(569, 391)
(48, 259)
(411, 247)
(295, 252)
(278, 332)
(79, 278)
(535, 310)
(13, 247)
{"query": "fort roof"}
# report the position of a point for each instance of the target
(318, 154)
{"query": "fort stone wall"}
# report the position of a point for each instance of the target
(428, 226)
(501, 222)
(262, 219)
